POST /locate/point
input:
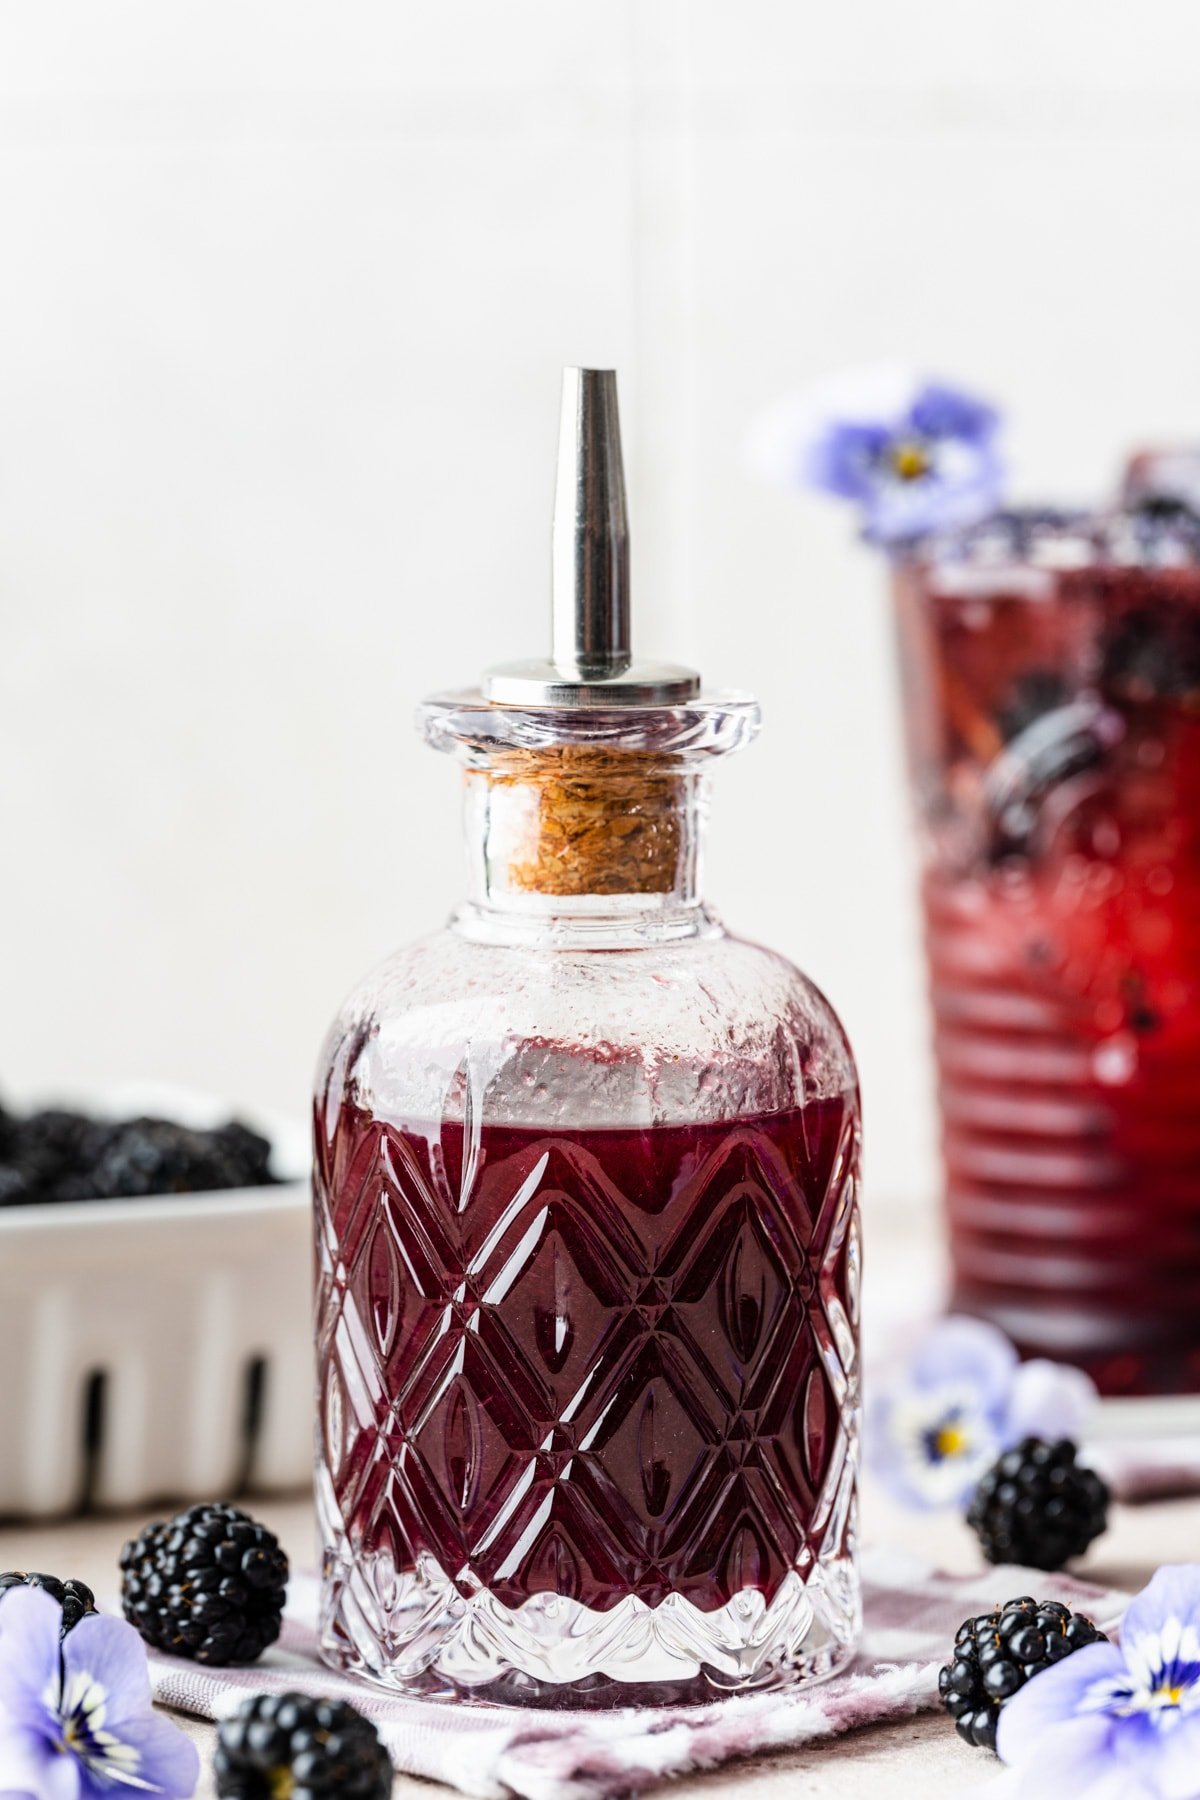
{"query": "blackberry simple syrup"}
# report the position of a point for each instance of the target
(586, 1215)
(1052, 675)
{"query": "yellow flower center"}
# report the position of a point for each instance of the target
(910, 461)
(1167, 1696)
(951, 1440)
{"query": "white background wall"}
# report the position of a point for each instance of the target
(286, 287)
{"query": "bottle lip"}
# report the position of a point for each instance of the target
(475, 728)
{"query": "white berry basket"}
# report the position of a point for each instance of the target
(157, 1349)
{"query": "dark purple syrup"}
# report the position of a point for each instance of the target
(593, 1363)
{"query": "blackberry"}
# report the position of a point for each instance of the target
(156, 1156)
(1152, 652)
(1037, 692)
(1164, 507)
(18, 1185)
(1015, 533)
(999, 1652)
(75, 1597)
(208, 1585)
(246, 1154)
(58, 1155)
(306, 1748)
(1037, 1506)
(1048, 752)
(44, 1152)
(60, 1140)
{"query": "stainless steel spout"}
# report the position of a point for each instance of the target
(591, 659)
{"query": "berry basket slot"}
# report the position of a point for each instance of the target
(158, 1349)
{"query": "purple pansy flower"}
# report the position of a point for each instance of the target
(76, 1721)
(917, 455)
(1111, 1721)
(963, 1398)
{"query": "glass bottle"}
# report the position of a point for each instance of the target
(586, 1214)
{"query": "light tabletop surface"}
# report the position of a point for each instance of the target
(920, 1757)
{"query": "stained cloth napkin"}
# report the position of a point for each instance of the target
(911, 1613)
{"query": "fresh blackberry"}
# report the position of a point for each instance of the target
(57, 1155)
(60, 1139)
(999, 1652)
(157, 1156)
(246, 1153)
(1037, 1506)
(208, 1585)
(1037, 692)
(1164, 507)
(1152, 652)
(1159, 532)
(45, 1152)
(75, 1597)
(18, 1185)
(306, 1748)
(1014, 533)
(1048, 752)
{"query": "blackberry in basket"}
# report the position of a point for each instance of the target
(209, 1585)
(57, 1155)
(156, 1156)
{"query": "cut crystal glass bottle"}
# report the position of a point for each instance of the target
(586, 1216)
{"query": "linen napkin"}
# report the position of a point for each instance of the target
(1139, 1470)
(911, 1613)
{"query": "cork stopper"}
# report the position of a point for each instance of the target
(577, 819)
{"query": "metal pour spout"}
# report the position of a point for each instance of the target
(591, 653)
(590, 569)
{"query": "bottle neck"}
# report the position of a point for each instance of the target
(584, 847)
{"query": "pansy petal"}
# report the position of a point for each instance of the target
(1168, 1758)
(842, 460)
(30, 1623)
(939, 410)
(110, 1654)
(931, 1443)
(1050, 1400)
(1171, 1598)
(168, 1761)
(966, 1350)
(31, 1765)
(1057, 1693)
(945, 500)
(1072, 1760)
(781, 439)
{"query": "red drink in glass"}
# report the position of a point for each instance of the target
(1051, 672)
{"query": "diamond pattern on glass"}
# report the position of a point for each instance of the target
(624, 1369)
